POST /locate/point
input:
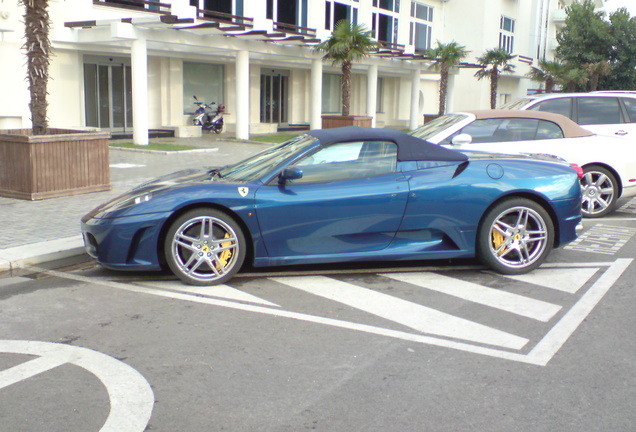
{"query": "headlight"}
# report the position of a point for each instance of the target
(128, 201)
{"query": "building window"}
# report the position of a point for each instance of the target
(507, 34)
(287, 11)
(390, 5)
(330, 93)
(205, 81)
(340, 10)
(385, 20)
(231, 7)
(421, 26)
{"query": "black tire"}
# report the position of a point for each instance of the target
(515, 236)
(204, 247)
(600, 191)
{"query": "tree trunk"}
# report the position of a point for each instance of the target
(38, 46)
(346, 88)
(549, 85)
(443, 90)
(494, 83)
(594, 82)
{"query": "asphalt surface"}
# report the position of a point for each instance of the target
(33, 232)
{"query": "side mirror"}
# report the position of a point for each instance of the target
(461, 139)
(292, 173)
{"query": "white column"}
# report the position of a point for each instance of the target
(243, 95)
(414, 120)
(372, 92)
(315, 102)
(139, 65)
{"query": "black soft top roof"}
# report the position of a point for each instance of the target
(410, 148)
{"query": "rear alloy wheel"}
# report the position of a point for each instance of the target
(204, 247)
(515, 236)
(600, 191)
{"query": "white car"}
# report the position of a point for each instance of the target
(608, 163)
(601, 112)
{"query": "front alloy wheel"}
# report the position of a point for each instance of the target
(204, 247)
(600, 192)
(515, 236)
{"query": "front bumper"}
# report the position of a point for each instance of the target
(125, 243)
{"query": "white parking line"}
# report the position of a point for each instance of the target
(413, 315)
(540, 355)
(509, 302)
(221, 291)
(556, 337)
(564, 280)
(131, 398)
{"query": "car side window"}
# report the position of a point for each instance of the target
(598, 111)
(630, 105)
(480, 130)
(510, 129)
(549, 130)
(561, 106)
(349, 160)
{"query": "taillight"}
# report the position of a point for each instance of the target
(578, 169)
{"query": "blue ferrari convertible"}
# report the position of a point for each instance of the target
(341, 195)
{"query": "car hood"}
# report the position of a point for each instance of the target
(142, 194)
(178, 178)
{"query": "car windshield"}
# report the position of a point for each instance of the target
(436, 126)
(516, 104)
(262, 163)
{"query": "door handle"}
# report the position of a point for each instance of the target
(621, 133)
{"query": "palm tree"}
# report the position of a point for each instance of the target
(548, 72)
(573, 77)
(493, 63)
(38, 51)
(348, 43)
(446, 56)
(595, 71)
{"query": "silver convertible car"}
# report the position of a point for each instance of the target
(608, 163)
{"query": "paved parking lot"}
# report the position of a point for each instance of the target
(425, 346)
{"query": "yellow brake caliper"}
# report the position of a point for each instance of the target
(226, 255)
(497, 241)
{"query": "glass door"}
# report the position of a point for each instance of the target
(108, 95)
(274, 95)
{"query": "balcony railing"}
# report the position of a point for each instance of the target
(137, 5)
(224, 18)
(291, 28)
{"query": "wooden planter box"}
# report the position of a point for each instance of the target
(65, 162)
(329, 122)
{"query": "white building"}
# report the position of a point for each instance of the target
(122, 62)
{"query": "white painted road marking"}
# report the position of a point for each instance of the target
(509, 302)
(131, 398)
(221, 291)
(602, 239)
(565, 280)
(540, 355)
(415, 316)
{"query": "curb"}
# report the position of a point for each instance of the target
(37, 253)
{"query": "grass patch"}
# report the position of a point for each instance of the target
(274, 139)
(155, 146)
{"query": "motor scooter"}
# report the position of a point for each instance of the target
(207, 121)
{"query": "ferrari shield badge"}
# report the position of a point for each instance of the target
(243, 191)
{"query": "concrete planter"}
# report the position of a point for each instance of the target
(64, 162)
(329, 122)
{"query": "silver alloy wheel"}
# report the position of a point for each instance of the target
(598, 189)
(518, 237)
(205, 249)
